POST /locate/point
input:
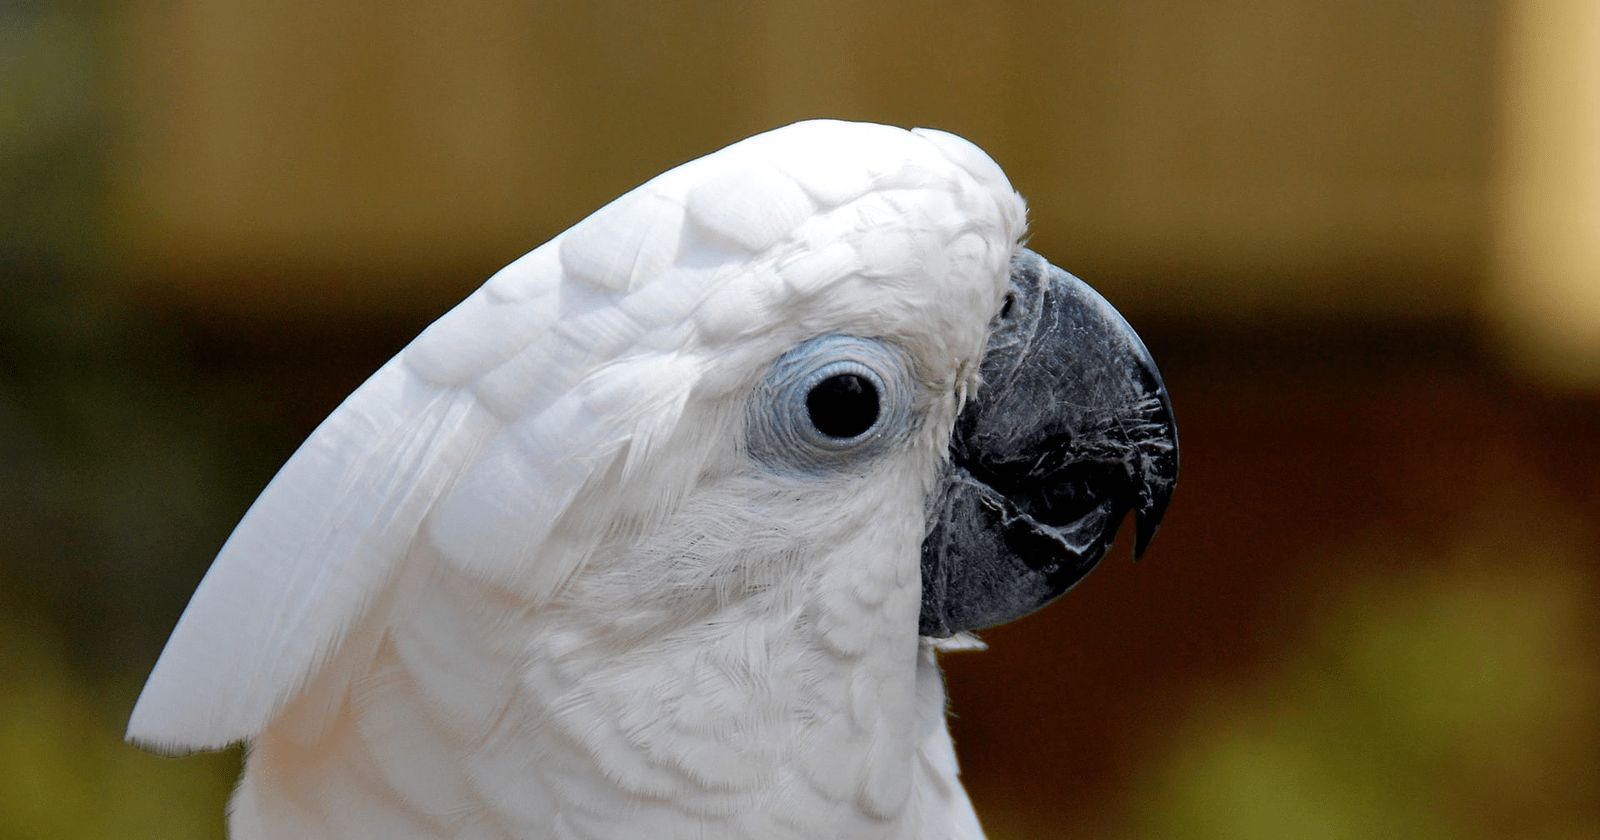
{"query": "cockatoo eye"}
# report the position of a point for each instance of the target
(844, 405)
(833, 400)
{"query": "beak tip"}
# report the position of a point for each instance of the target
(1141, 542)
(1145, 529)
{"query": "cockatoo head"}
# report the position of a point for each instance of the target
(842, 316)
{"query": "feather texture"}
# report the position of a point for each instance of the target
(527, 581)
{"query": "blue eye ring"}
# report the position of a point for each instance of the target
(831, 401)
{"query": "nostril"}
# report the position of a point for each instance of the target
(1005, 308)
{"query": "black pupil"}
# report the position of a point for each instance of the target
(843, 406)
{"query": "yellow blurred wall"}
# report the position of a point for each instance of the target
(1545, 290)
(1196, 159)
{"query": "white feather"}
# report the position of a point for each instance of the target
(527, 582)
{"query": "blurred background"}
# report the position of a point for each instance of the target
(1361, 238)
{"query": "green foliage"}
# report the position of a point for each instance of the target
(1457, 700)
(65, 771)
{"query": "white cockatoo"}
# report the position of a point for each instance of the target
(656, 534)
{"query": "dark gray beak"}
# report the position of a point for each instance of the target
(1071, 429)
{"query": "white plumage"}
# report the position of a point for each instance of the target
(533, 579)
